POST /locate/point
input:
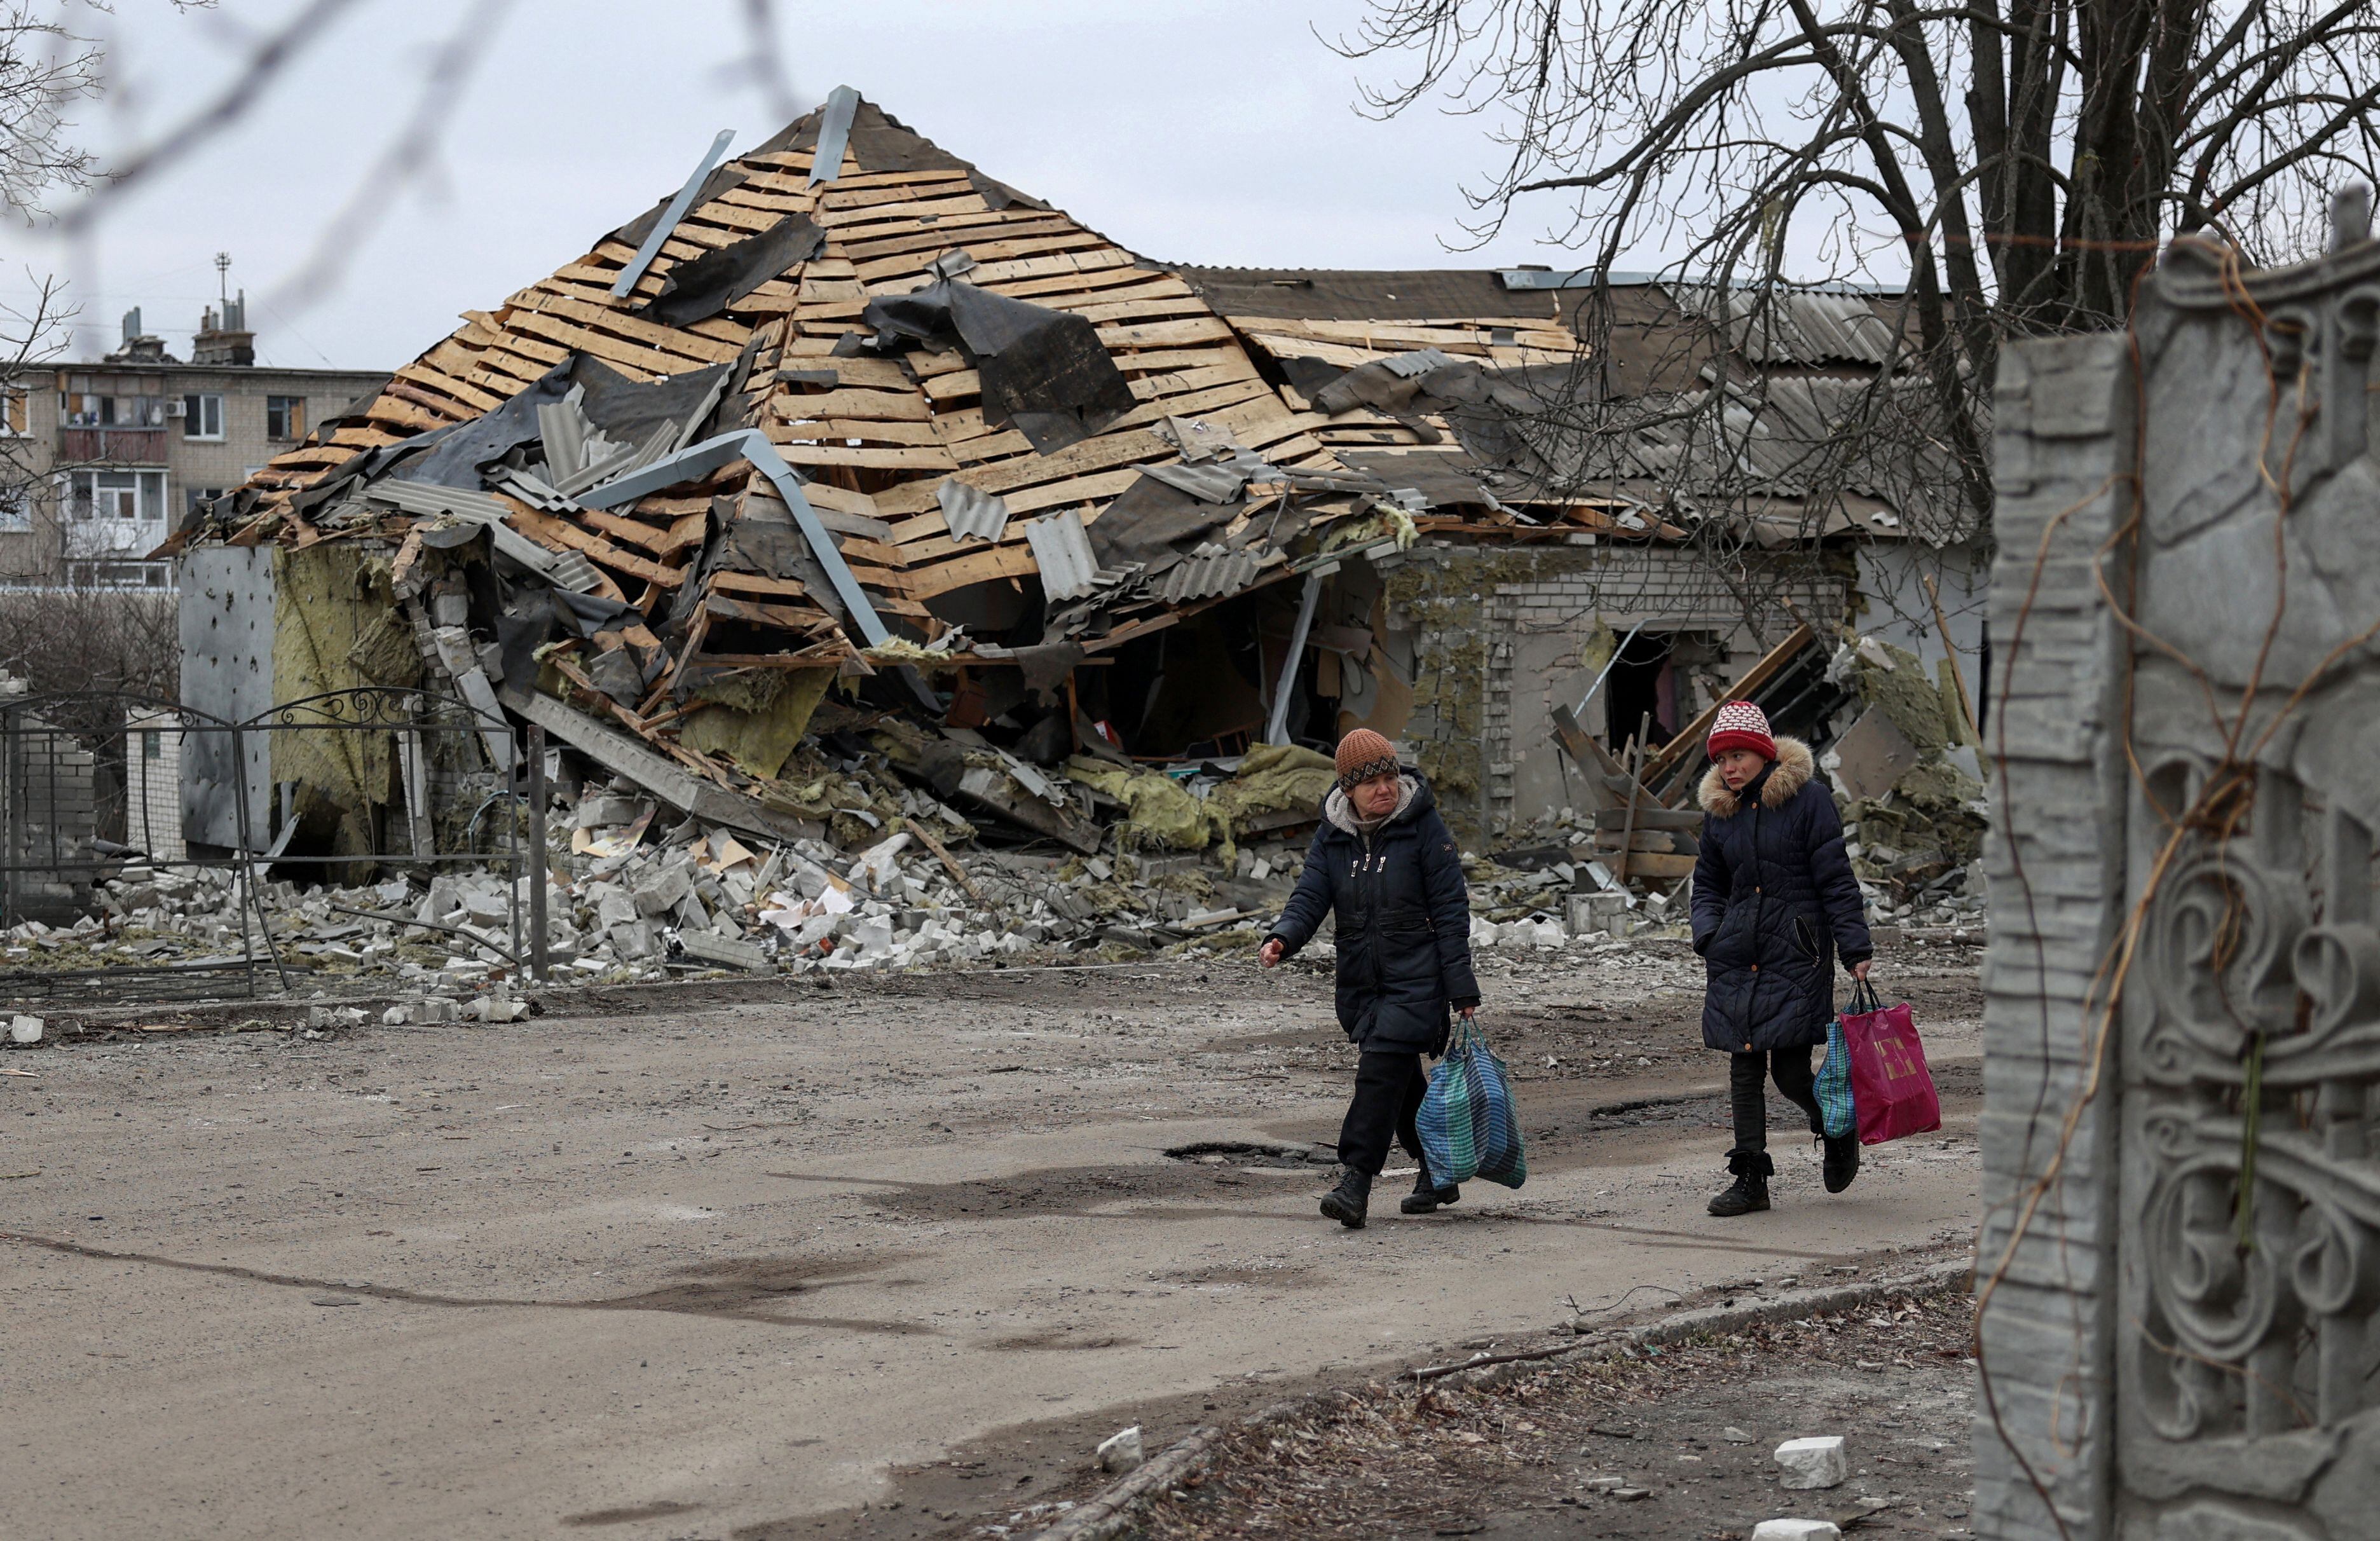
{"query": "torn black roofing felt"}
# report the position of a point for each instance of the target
(1044, 372)
(1157, 525)
(709, 284)
(453, 456)
(629, 411)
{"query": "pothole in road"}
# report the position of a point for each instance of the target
(1241, 1153)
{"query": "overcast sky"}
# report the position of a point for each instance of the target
(1210, 132)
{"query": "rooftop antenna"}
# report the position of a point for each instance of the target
(223, 276)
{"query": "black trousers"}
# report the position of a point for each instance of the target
(1747, 1099)
(1387, 1093)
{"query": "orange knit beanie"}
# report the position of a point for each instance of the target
(1362, 755)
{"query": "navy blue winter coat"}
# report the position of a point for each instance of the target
(1405, 921)
(1775, 901)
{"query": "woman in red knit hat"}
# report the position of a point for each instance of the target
(1387, 864)
(1775, 904)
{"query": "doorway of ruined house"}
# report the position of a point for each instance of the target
(1643, 679)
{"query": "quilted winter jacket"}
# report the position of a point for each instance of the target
(1404, 920)
(1775, 901)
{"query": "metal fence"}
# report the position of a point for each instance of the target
(341, 789)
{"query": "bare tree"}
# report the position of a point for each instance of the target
(45, 69)
(2021, 161)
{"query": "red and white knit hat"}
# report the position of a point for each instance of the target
(1741, 725)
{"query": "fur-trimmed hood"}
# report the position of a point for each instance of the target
(1795, 766)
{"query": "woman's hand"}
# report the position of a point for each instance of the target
(1858, 969)
(1469, 1013)
(1269, 953)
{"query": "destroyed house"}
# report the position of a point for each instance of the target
(847, 452)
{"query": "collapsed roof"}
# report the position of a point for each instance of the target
(809, 403)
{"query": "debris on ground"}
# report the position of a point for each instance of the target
(901, 573)
(1636, 1447)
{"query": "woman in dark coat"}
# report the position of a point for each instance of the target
(1386, 862)
(1775, 903)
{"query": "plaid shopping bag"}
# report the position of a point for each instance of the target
(1467, 1123)
(1835, 1109)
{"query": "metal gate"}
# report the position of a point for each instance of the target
(161, 801)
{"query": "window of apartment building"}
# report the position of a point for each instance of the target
(16, 508)
(203, 416)
(12, 414)
(284, 417)
(119, 496)
(109, 401)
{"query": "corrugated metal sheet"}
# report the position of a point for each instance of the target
(1207, 572)
(1781, 437)
(1208, 481)
(424, 501)
(1062, 552)
(970, 513)
(1795, 326)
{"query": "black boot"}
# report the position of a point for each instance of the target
(1842, 1160)
(1427, 1196)
(1750, 1193)
(1347, 1202)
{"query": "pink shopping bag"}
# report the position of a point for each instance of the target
(1891, 1088)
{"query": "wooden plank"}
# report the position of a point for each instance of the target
(783, 618)
(1760, 673)
(1056, 270)
(841, 500)
(877, 374)
(668, 339)
(921, 458)
(980, 565)
(561, 534)
(804, 428)
(876, 406)
(753, 583)
(1041, 288)
(1199, 329)
(688, 530)
(646, 363)
(446, 385)
(885, 272)
(959, 230)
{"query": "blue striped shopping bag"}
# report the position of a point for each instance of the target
(1834, 1085)
(1467, 1123)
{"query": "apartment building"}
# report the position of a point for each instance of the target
(104, 459)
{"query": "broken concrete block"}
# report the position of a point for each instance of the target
(659, 889)
(433, 1007)
(711, 947)
(1817, 1462)
(635, 939)
(393, 1016)
(26, 1029)
(877, 868)
(1120, 1452)
(616, 909)
(1796, 1530)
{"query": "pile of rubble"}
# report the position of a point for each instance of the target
(1907, 777)
(639, 894)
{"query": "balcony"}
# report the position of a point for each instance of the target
(115, 446)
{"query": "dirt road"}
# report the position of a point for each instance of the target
(736, 1270)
